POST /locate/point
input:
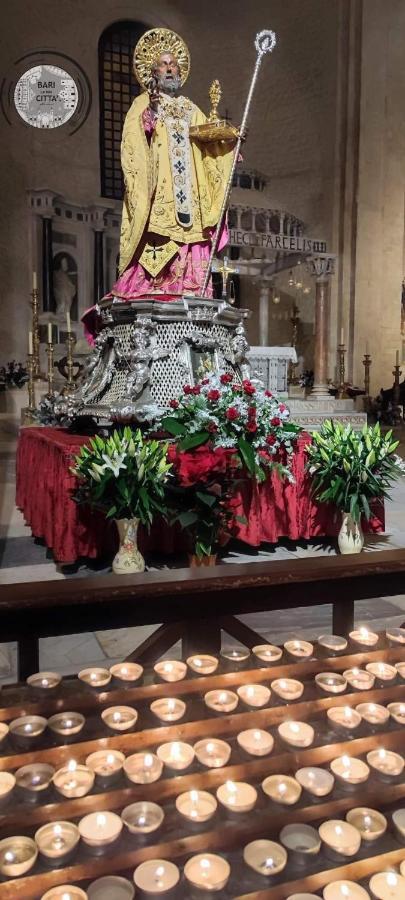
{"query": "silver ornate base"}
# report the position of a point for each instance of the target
(148, 349)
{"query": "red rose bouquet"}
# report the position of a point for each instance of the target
(225, 413)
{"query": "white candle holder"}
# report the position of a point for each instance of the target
(111, 887)
(237, 796)
(66, 724)
(395, 635)
(296, 734)
(202, 663)
(176, 755)
(385, 763)
(265, 857)
(255, 741)
(106, 765)
(34, 778)
(254, 695)
(171, 670)
(237, 656)
(142, 817)
(143, 768)
(339, 838)
(7, 784)
(387, 886)
(349, 770)
(212, 752)
(333, 642)
(207, 872)
(318, 782)
(400, 667)
(363, 637)
(73, 780)
(344, 718)
(127, 672)
(373, 713)
(282, 789)
(44, 681)
(56, 840)
(369, 822)
(344, 890)
(26, 730)
(359, 679)
(221, 701)
(120, 718)
(196, 806)
(301, 841)
(397, 712)
(156, 876)
(95, 677)
(99, 829)
(267, 653)
(168, 709)
(382, 671)
(65, 892)
(287, 688)
(17, 856)
(299, 649)
(331, 682)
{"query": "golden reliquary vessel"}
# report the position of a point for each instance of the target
(215, 129)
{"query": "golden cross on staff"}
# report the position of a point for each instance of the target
(225, 270)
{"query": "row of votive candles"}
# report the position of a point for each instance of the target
(171, 709)
(341, 840)
(77, 780)
(205, 664)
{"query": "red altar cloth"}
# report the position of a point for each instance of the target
(272, 510)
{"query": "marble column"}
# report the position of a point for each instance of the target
(48, 303)
(264, 301)
(321, 267)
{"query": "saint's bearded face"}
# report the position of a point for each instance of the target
(167, 73)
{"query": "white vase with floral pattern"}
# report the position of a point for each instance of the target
(128, 558)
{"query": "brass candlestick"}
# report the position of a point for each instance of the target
(35, 333)
(50, 375)
(292, 377)
(366, 364)
(70, 342)
(31, 383)
(341, 393)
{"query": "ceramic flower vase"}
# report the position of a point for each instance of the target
(128, 559)
(350, 538)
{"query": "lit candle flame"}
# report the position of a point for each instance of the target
(101, 820)
(72, 765)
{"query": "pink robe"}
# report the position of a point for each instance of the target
(184, 274)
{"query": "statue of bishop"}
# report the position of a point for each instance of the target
(174, 184)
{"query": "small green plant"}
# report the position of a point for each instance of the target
(123, 475)
(350, 468)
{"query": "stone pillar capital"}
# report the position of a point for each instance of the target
(321, 265)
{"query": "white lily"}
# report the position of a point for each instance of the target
(115, 463)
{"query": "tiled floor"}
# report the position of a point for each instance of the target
(24, 559)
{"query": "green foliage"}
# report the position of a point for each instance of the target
(123, 475)
(352, 468)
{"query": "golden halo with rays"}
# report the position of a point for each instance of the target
(151, 45)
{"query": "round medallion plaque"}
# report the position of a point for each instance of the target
(46, 96)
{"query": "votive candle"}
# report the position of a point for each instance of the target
(237, 796)
(364, 637)
(171, 670)
(207, 871)
(221, 701)
(255, 695)
(212, 752)
(202, 663)
(385, 762)
(197, 806)
(255, 741)
(168, 709)
(156, 876)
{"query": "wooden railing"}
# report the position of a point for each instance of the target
(193, 604)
